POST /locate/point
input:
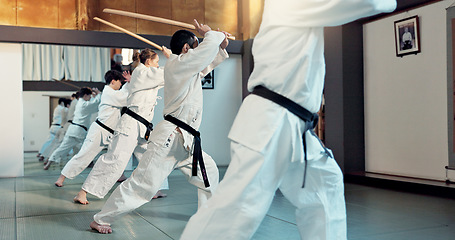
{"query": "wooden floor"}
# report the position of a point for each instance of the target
(31, 207)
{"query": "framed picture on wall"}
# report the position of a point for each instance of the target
(407, 36)
(208, 81)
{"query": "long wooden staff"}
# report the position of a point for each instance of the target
(67, 83)
(129, 33)
(154, 19)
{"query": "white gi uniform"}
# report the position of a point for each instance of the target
(58, 114)
(129, 134)
(170, 148)
(62, 131)
(266, 139)
(97, 137)
(75, 135)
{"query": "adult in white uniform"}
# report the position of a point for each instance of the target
(171, 146)
(61, 131)
(86, 106)
(129, 136)
(101, 131)
(266, 139)
(58, 114)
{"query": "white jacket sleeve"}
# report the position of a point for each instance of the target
(222, 55)
(196, 60)
(116, 98)
(321, 13)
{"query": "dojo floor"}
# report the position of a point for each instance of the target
(32, 207)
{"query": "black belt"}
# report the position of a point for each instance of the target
(197, 152)
(82, 126)
(70, 121)
(310, 119)
(104, 126)
(55, 124)
(142, 120)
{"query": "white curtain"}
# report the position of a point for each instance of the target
(48, 62)
(42, 62)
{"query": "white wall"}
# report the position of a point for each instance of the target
(406, 98)
(221, 105)
(11, 144)
(36, 117)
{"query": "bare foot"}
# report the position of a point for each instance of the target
(122, 178)
(100, 228)
(45, 162)
(48, 164)
(159, 194)
(81, 197)
(38, 155)
(60, 180)
(41, 158)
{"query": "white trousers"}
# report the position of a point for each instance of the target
(65, 147)
(110, 166)
(52, 131)
(58, 139)
(164, 154)
(92, 146)
(244, 196)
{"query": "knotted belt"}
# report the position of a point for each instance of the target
(310, 119)
(140, 119)
(104, 126)
(82, 126)
(197, 152)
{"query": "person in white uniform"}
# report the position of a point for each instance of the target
(113, 99)
(267, 147)
(75, 135)
(172, 146)
(131, 135)
(71, 104)
(57, 116)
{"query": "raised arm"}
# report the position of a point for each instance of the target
(196, 60)
(321, 13)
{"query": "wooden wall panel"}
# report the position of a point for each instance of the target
(79, 14)
(8, 12)
(157, 8)
(256, 9)
(37, 14)
(67, 14)
(187, 10)
(93, 10)
(124, 22)
(222, 14)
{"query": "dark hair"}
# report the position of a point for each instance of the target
(113, 75)
(67, 102)
(179, 39)
(75, 95)
(85, 91)
(147, 54)
(136, 56)
(61, 100)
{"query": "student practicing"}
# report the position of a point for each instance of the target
(100, 133)
(132, 132)
(75, 135)
(59, 112)
(175, 142)
(66, 121)
(267, 148)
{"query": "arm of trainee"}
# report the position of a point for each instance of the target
(222, 55)
(320, 13)
(92, 104)
(199, 58)
(117, 98)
